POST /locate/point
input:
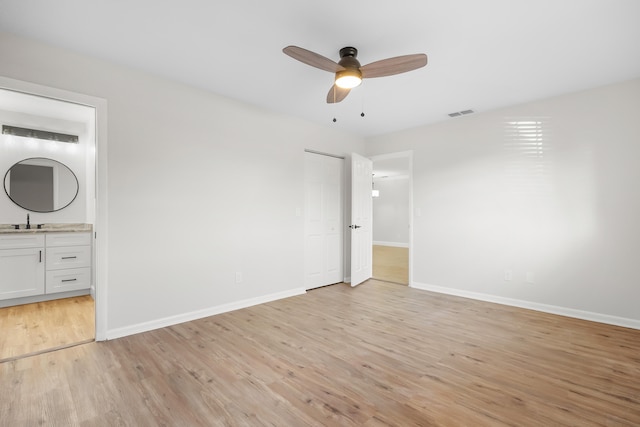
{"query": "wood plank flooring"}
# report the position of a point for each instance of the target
(375, 355)
(391, 264)
(42, 326)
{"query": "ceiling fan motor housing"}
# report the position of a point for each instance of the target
(350, 64)
(348, 58)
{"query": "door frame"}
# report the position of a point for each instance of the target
(100, 253)
(409, 155)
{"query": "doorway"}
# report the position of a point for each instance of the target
(46, 322)
(392, 217)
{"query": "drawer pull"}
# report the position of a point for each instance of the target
(68, 280)
(40, 256)
(69, 257)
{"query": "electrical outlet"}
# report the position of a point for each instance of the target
(508, 275)
(238, 277)
(529, 277)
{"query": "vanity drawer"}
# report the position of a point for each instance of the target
(68, 257)
(71, 279)
(68, 239)
(21, 241)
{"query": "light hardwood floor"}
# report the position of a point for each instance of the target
(375, 355)
(391, 264)
(32, 328)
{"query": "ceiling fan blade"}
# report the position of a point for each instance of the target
(337, 94)
(396, 65)
(312, 58)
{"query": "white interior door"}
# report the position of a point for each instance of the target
(324, 227)
(361, 219)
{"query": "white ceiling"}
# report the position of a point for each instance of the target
(482, 54)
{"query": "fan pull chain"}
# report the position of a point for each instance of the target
(334, 120)
(334, 101)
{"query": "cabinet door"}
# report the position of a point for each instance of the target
(21, 272)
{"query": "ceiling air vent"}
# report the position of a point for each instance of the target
(39, 134)
(461, 113)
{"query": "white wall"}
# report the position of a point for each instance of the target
(14, 149)
(200, 187)
(391, 212)
(568, 214)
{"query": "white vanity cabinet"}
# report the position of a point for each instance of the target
(38, 264)
(22, 265)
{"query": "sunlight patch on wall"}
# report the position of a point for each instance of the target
(527, 143)
(548, 210)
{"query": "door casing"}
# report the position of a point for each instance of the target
(100, 259)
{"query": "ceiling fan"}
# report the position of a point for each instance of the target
(348, 71)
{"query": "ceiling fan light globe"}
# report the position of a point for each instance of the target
(348, 79)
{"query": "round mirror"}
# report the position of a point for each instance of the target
(39, 184)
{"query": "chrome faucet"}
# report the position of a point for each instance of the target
(28, 223)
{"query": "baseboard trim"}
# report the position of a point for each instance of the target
(199, 314)
(392, 244)
(545, 308)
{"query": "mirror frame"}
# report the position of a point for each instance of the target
(75, 196)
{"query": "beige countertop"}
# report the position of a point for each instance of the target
(46, 228)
